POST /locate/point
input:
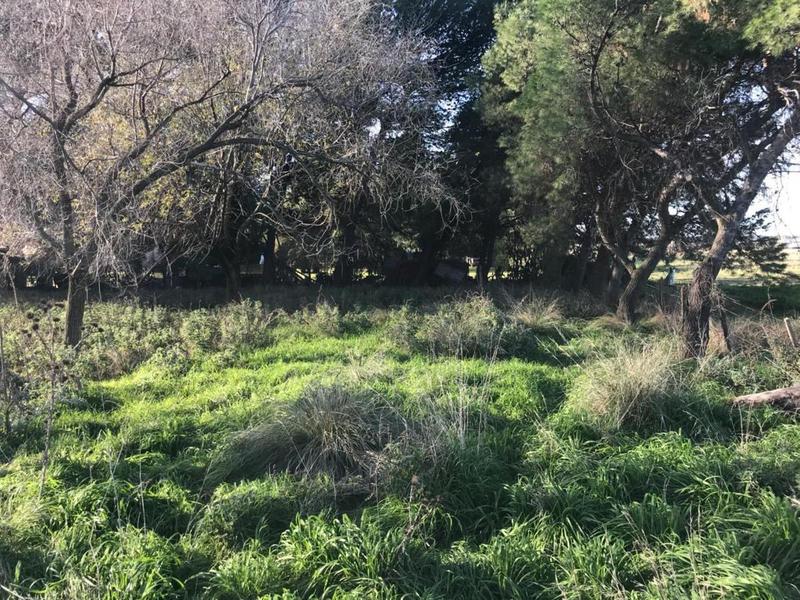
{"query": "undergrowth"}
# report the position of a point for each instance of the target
(469, 447)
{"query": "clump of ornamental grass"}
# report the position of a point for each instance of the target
(331, 430)
(631, 387)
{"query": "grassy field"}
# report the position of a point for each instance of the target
(443, 447)
(728, 277)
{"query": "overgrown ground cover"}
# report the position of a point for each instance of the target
(521, 447)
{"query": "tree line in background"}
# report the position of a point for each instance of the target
(573, 143)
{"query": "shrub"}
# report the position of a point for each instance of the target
(245, 324)
(199, 331)
(122, 336)
(233, 327)
(323, 319)
(470, 327)
(630, 388)
(467, 327)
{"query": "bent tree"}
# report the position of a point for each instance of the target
(728, 212)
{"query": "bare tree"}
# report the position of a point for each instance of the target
(102, 100)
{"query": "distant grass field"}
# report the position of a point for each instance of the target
(727, 276)
(449, 448)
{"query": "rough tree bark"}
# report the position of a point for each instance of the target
(77, 292)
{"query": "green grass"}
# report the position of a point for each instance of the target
(729, 277)
(466, 461)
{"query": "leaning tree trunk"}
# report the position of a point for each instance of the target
(699, 297)
(628, 303)
(77, 291)
(698, 301)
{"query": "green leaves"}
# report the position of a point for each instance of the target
(774, 24)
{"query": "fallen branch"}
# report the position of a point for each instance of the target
(783, 398)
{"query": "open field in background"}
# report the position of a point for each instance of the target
(726, 276)
(430, 445)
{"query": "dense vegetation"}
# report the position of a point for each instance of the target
(557, 424)
(373, 444)
(572, 143)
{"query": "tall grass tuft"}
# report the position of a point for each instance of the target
(537, 312)
(332, 430)
(632, 387)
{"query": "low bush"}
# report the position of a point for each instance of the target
(323, 318)
(122, 336)
(467, 327)
(231, 328)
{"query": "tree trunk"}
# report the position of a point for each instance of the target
(427, 259)
(697, 310)
(486, 259)
(616, 282)
(233, 279)
(784, 398)
(268, 268)
(628, 303)
(77, 291)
